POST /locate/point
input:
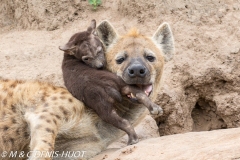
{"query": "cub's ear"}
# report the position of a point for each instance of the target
(106, 33)
(164, 39)
(69, 48)
(91, 29)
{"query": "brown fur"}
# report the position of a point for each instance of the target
(99, 89)
(39, 116)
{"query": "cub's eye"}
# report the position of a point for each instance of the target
(120, 60)
(85, 59)
(150, 58)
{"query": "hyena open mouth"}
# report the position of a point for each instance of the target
(147, 89)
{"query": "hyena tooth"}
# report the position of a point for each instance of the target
(133, 95)
(146, 93)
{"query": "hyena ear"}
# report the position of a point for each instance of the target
(164, 39)
(106, 33)
(69, 48)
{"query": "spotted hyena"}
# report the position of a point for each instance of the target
(99, 89)
(37, 116)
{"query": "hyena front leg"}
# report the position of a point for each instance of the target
(43, 131)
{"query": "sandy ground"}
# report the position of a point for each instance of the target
(201, 86)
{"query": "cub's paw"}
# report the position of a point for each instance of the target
(156, 110)
(132, 141)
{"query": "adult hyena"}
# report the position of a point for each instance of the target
(40, 117)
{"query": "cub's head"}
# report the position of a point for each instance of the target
(137, 59)
(86, 46)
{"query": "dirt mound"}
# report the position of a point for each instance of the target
(49, 14)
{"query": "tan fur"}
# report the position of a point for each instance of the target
(161, 45)
(134, 32)
(35, 113)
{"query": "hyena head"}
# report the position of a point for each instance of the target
(86, 46)
(137, 59)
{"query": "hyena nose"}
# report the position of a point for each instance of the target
(137, 70)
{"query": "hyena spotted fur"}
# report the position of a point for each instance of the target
(34, 114)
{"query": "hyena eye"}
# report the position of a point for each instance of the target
(150, 58)
(120, 60)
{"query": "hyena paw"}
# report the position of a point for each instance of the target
(156, 110)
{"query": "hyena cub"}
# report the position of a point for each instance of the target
(99, 89)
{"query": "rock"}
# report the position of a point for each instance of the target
(214, 145)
